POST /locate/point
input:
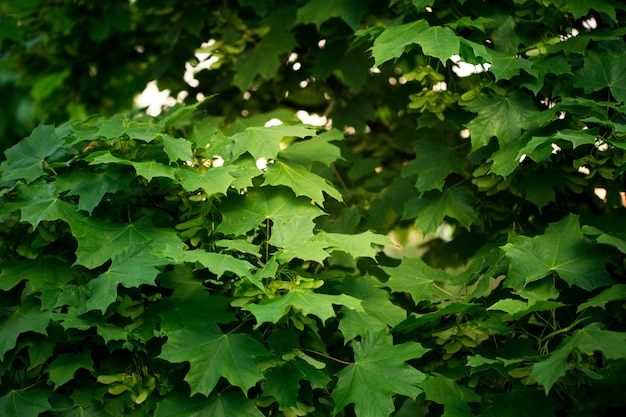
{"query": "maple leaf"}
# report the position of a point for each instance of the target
(132, 268)
(562, 249)
(282, 383)
(91, 187)
(177, 149)
(215, 180)
(212, 354)
(263, 59)
(433, 207)
(62, 369)
(378, 314)
(319, 11)
(302, 300)
(602, 70)
(379, 371)
(30, 402)
(146, 169)
(264, 142)
(296, 239)
(521, 402)
(25, 159)
(226, 404)
(394, 39)
(414, 277)
(434, 161)
(27, 317)
(301, 181)
(245, 212)
(357, 245)
(316, 149)
(437, 41)
(502, 117)
(446, 391)
(587, 340)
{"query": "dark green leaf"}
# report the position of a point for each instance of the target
(379, 371)
(562, 249)
(392, 42)
(243, 213)
(301, 300)
(27, 317)
(213, 354)
(414, 277)
(226, 404)
(25, 403)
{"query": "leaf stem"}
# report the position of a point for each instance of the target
(327, 356)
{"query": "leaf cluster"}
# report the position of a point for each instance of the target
(450, 242)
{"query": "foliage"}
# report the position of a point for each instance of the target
(223, 258)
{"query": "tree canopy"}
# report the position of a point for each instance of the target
(344, 207)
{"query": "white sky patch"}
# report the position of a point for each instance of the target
(311, 119)
(440, 86)
(261, 163)
(154, 99)
(273, 122)
(464, 69)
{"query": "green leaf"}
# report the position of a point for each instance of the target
(587, 340)
(356, 245)
(416, 278)
(296, 239)
(521, 402)
(146, 169)
(217, 263)
(378, 314)
(316, 149)
(27, 317)
(446, 391)
(263, 59)
(301, 181)
(501, 116)
(392, 42)
(62, 369)
(212, 354)
(214, 180)
(282, 383)
(177, 149)
(506, 66)
(319, 11)
(615, 292)
(302, 300)
(431, 209)
(243, 213)
(118, 126)
(434, 161)
(31, 402)
(226, 404)
(264, 142)
(91, 187)
(132, 268)
(580, 8)
(562, 249)
(602, 70)
(25, 160)
(378, 373)
(438, 41)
